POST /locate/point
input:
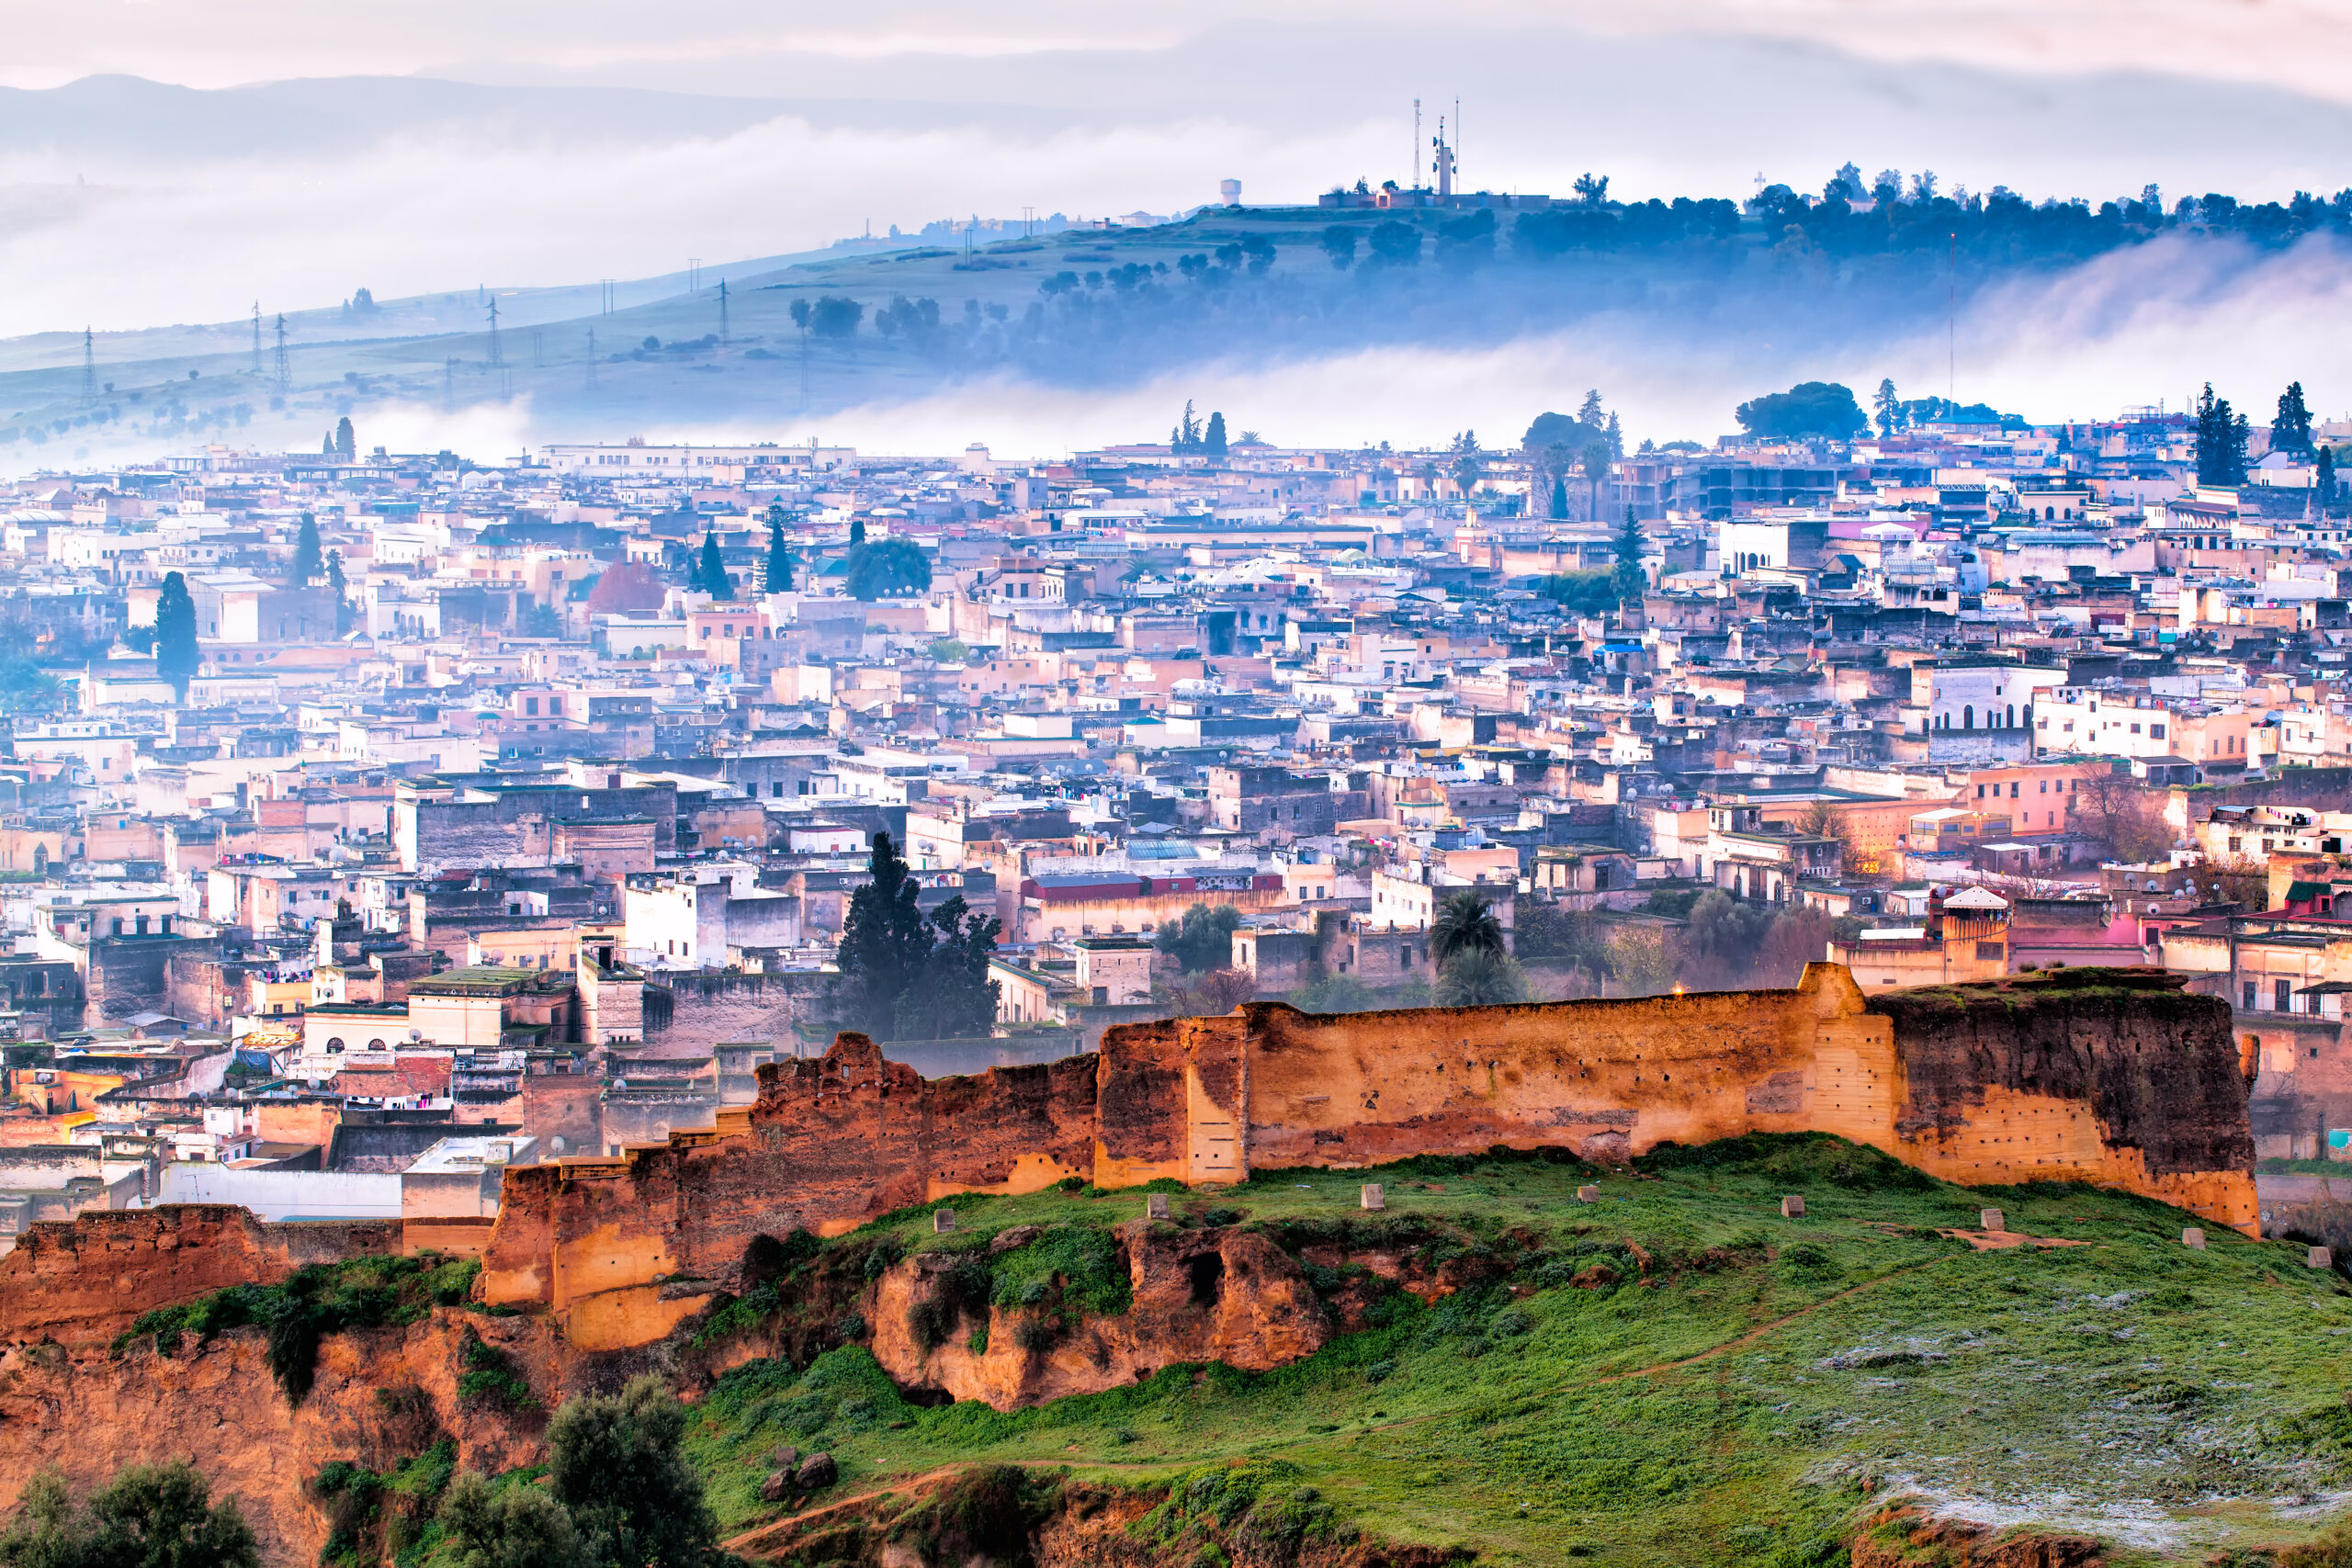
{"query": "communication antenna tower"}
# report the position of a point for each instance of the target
(1413, 164)
(89, 369)
(285, 364)
(257, 337)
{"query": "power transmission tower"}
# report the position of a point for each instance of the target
(538, 358)
(89, 369)
(497, 360)
(257, 337)
(449, 382)
(592, 356)
(722, 312)
(285, 366)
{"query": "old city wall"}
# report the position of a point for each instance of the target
(700, 1010)
(82, 1283)
(2113, 1077)
(2120, 1077)
(625, 1248)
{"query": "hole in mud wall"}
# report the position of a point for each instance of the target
(1207, 1273)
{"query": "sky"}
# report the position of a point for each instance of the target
(602, 139)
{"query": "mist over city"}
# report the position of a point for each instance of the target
(1071, 788)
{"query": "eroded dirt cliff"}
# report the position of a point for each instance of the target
(381, 1396)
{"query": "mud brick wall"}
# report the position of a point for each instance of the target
(829, 1144)
(82, 1283)
(698, 1012)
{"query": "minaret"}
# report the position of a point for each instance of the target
(1444, 164)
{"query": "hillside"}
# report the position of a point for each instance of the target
(1674, 1373)
(1746, 298)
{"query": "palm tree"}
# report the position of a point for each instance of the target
(1475, 977)
(1464, 925)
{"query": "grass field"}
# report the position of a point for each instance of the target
(1739, 1397)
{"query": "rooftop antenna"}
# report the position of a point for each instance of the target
(1457, 133)
(497, 359)
(285, 366)
(89, 369)
(257, 337)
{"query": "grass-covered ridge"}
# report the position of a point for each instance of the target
(1676, 1374)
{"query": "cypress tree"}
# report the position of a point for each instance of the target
(308, 562)
(779, 563)
(1630, 583)
(710, 572)
(177, 656)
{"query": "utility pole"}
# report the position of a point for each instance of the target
(89, 369)
(693, 275)
(722, 312)
(257, 337)
(285, 366)
(497, 359)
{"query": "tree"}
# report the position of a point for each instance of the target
(626, 589)
(834, 316)
(2237, 880)
(1644, 960)
(620, 1473)
(176, 656)
(2292, 430)
(148, 1515)
(307, 561)
(2326, 477)
(779, 562)
(1595, 461)
(1723, 937)
(1334, 993)
(2122, 814)
(1630, 580)
(1213, 441)
(346, 441)
(886, 567)
(1477, 978)
(326, 444)
(1589, 412)
(1339, 245)
(2221, 438)
(1464, 923)
(1888, 406)
(710, 572)
(514, 1527)
(1808, 411)
(1395, 243)
(956, 998)
(1591, 191)
(337, 586)
(886, 943)
(1202, 940)
(948, 650)
(1186, 436)
(1212, 993)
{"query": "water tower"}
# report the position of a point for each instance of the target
(1228, 192)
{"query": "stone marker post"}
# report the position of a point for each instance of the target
(1792, 1207)
(2318, 1257)
(1155, 1206)
(1373, 1197)
(1588, 1194)
(942, 1220)
(1990, 1220)
(2194, 1237)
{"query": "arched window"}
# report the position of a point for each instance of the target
(2013, 716)
(375, 1044)
(1967, 716)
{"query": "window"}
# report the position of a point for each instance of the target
(2249, 997)
(2014, 787)
(2283, 992)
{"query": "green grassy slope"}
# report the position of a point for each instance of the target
(1740, 1397)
